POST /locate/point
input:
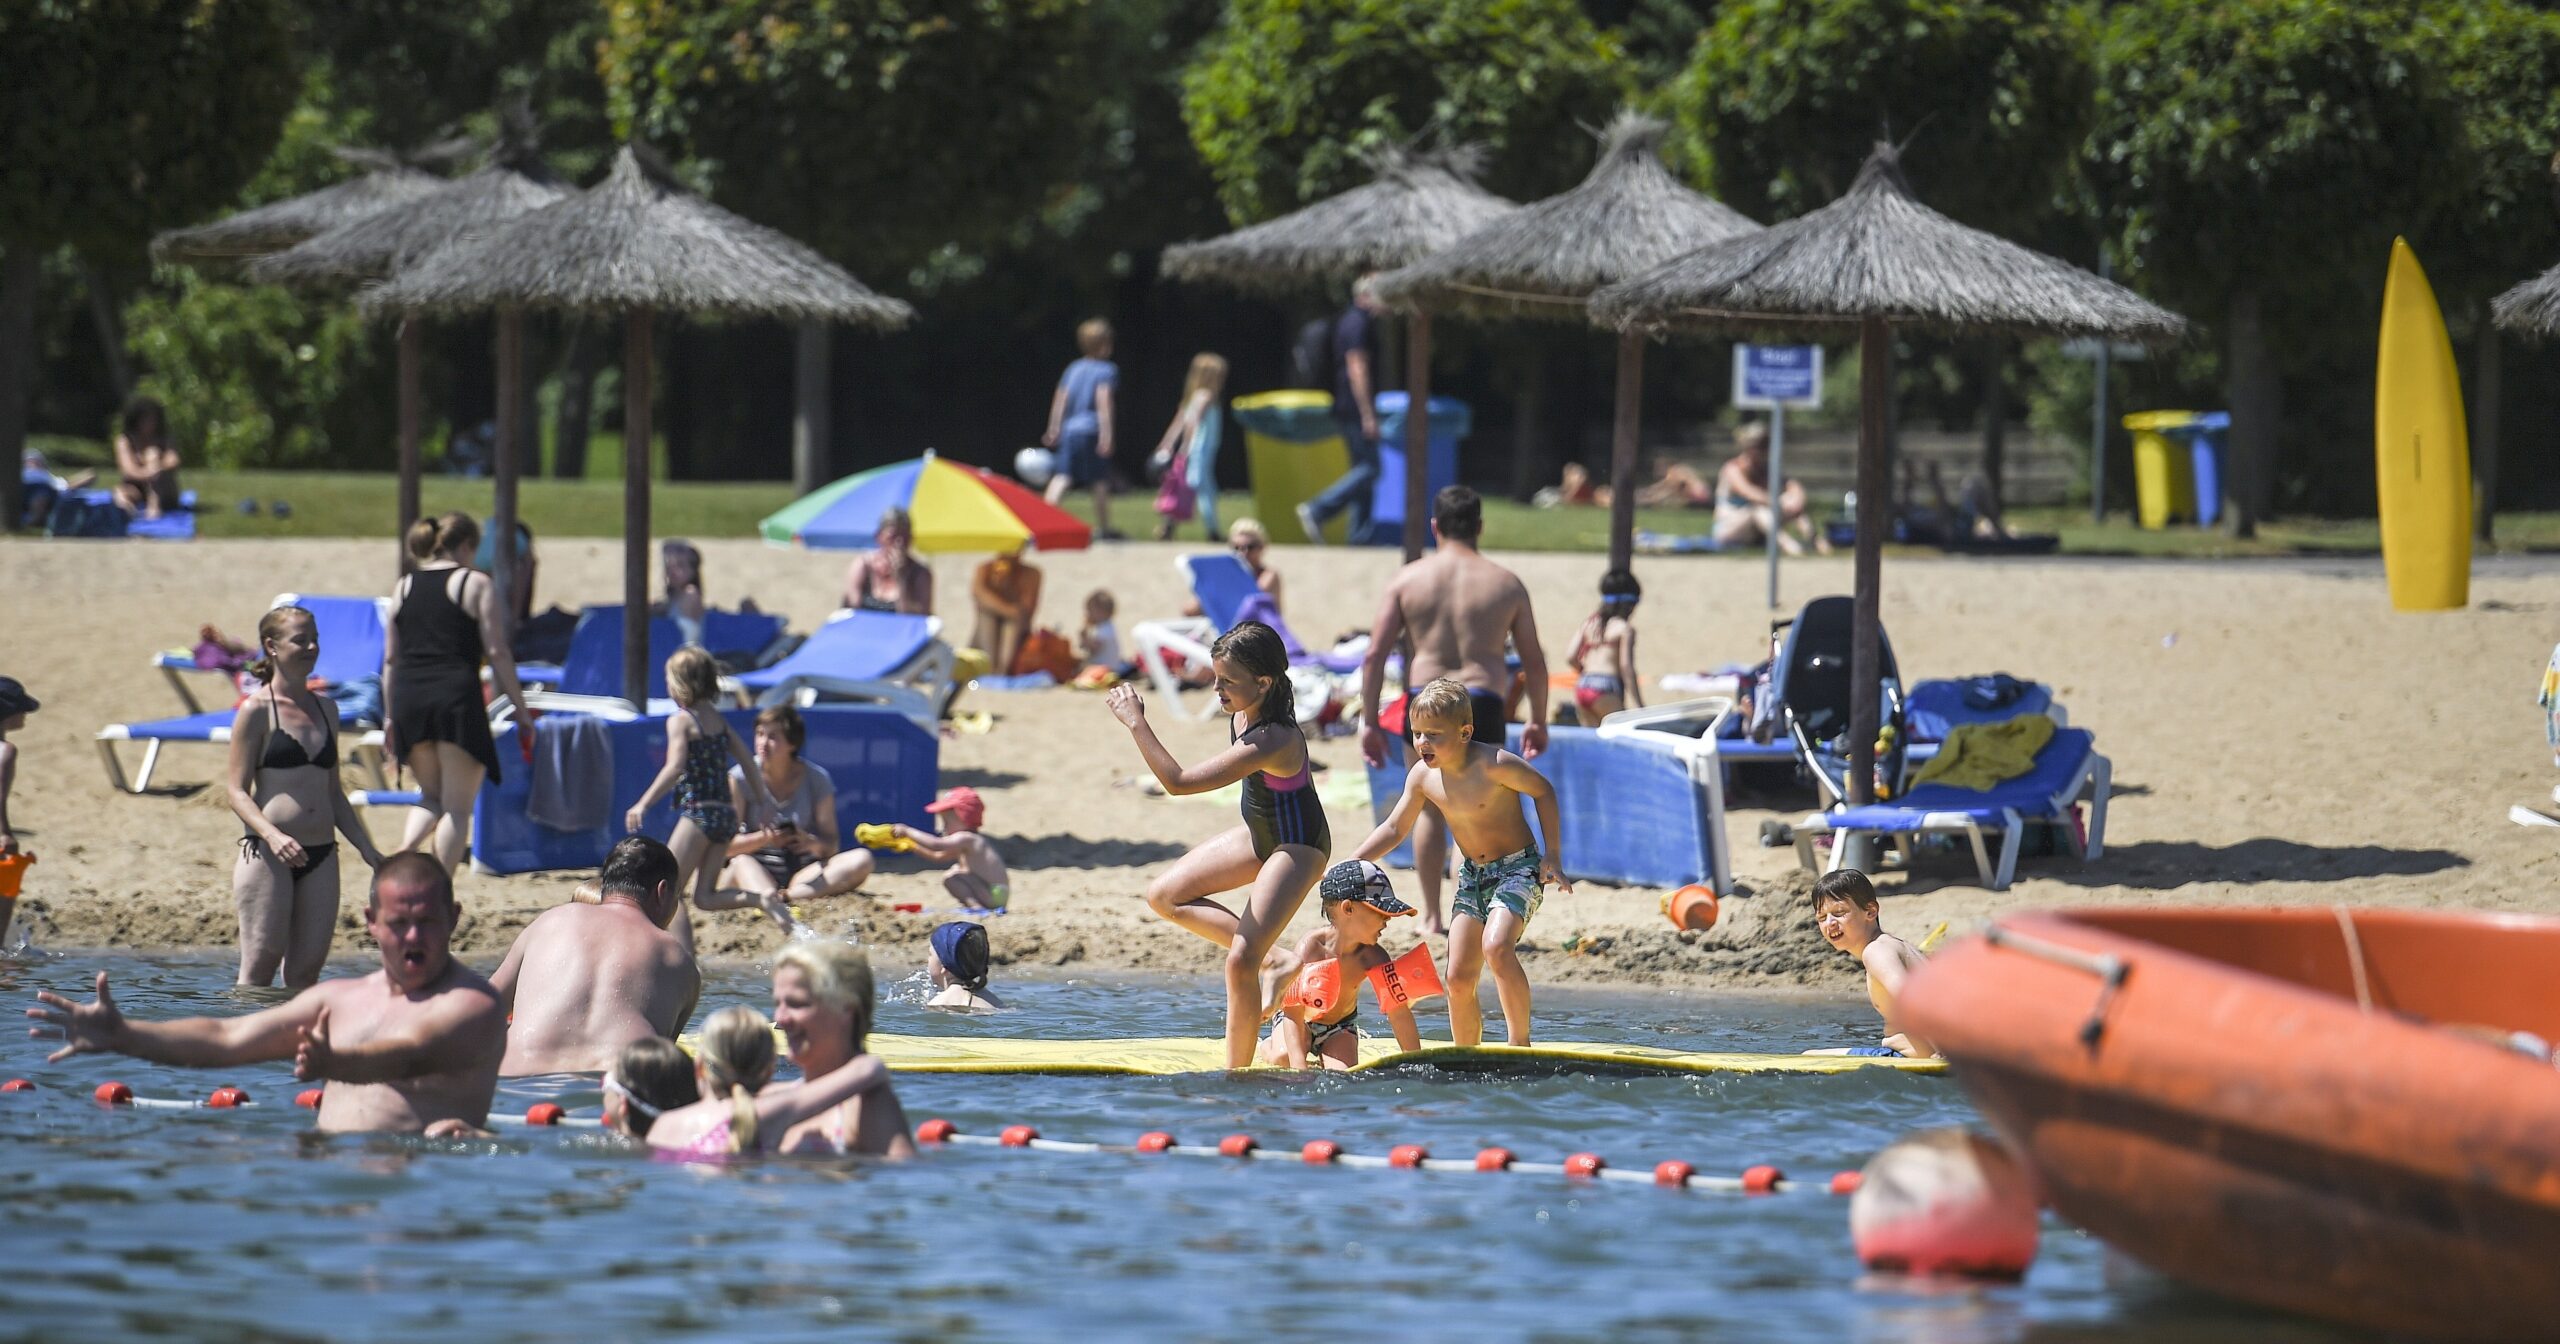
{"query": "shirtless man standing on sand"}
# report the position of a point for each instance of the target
(1457, 607)
(412, 1048)
(583, 981)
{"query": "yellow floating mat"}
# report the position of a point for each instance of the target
(1183, 1054)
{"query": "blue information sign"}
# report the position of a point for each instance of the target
(1767, 376)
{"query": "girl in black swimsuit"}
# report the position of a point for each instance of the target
(1279, 851)
(287, 796)
(444, 624)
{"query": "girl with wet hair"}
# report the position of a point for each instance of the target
(283, 785)
(1279, 851)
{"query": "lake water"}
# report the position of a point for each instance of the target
(240, 1225)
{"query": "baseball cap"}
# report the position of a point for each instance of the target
(1361, 880)
(963, 804)
(961, 947)
(14, 698)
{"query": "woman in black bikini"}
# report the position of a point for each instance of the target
(444, 623)
(284, 787)
(1279, 851)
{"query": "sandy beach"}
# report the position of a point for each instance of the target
(2279, 736)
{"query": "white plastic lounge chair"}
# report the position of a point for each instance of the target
(2067, 771)
(1227, 594)
(875, 656)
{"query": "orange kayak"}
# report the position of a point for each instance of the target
(2321, 1110)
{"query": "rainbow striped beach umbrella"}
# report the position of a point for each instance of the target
(955, 508)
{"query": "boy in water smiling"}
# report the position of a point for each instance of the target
(1320, 1016)
(1477, 787)
(1846, 910)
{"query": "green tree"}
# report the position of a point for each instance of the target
(2257, 159)
(892, 135)
(2500, 63)
(119, 118)
(1287, 96)
(1783, 98)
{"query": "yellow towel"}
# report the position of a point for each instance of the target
(1979, 755)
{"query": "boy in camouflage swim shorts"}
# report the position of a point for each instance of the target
(1477, 788)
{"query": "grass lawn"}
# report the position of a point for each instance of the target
(343, 504)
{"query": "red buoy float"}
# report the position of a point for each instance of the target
(113, 1094)
(1946, 1202)
(935, 1130)
(224, 1098)
(1237, 1145)
(1017, 1136)
(1319, 1152)
(1154, 1141)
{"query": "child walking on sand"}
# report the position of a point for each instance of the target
(978, 879)
(1604, 652)
(1319, 1017)
(700, 748)
(1846, 910)
(1279, 851)
(1081, 414)
(1477, 787)
(15, 706)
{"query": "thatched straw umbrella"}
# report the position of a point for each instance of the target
(1875, 259)
(2532, 308)
(394, 239)
(278, 225)
(1545, 259)
(1414, 207)
(634, 244)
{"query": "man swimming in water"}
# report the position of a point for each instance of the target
(583, 981)
(411, 1048)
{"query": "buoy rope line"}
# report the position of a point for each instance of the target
(543, 1114)
(1758, 1180)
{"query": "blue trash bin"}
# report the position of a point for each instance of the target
(1450, 421)
(2205, 439)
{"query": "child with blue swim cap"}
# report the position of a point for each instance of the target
(960, 965)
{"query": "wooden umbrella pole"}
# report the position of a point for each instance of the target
(509, 465)
(1866, 649)
(411, 338)
(1622, 450)
(1417, 433)
(635, 511)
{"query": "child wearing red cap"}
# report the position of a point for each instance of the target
(978, 879)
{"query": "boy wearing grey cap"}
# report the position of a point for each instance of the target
(1319, 1013)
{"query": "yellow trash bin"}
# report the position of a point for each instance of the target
(1293, 452)
(2164, 473)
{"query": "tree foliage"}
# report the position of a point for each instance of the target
(2500, 66)
(1783, 99)
(119, 118)
(882, 132)
(1287, 96)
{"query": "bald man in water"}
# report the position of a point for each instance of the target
(1460, 609)
(411, 1048)
(583, 981)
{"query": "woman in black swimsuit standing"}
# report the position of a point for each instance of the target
(284, 787)
(444, 622)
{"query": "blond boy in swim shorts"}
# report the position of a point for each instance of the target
(1502, 872)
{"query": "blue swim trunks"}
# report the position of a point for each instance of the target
(1879, 1051)
(1510, 882)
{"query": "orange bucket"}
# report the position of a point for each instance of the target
(13, 870)
(1691, 907)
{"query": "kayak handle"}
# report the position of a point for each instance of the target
(2109, 968)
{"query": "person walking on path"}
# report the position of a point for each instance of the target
(1355, 410)
(1458, 608)
(1081, 414)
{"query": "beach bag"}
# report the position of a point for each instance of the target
(1174, 500)
(1046, 651)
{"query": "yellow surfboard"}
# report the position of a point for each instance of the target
(1166, 1056)
(2421, 455)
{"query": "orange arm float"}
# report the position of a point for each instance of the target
(1407, 980)
(1317, 989)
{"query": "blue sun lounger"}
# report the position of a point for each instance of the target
(1227, 594)
(2067, 772)
(350, 630)
(876, 656)
(213, 728)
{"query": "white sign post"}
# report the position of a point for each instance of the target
(1772, 378)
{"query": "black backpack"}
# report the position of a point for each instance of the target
(1311, 355)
